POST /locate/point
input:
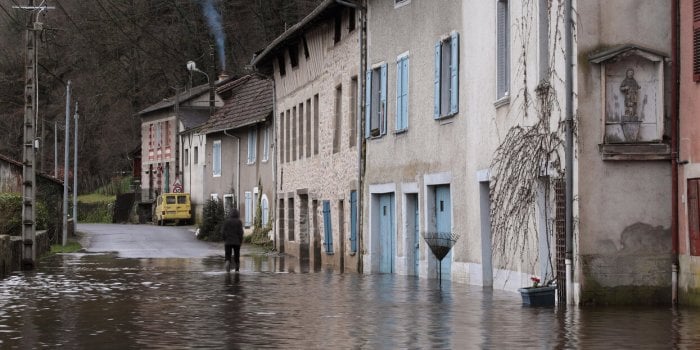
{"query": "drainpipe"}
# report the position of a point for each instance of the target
(238, 171)
(675, 24)
(360, 124)
(569, 149)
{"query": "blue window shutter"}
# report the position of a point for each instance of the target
(438, 58)
(454, 74)
(353, 221)
(399, 96)
(404, 93)
(328, 233)
(368, 104)
(382, 101)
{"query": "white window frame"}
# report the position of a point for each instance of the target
(404, 57)
(252, 144)
(195, 155)
(446, 96)
(266, 144)
(503, 49)
(214, 196)
(216, 158)
(375, 102)
(233, 204)
(265, 204)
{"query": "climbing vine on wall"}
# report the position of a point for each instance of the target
(532, 148)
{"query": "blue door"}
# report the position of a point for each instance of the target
(443, 223)
(387, 245)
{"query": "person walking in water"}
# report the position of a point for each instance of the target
(232, 230)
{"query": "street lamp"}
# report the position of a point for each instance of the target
(192, 67)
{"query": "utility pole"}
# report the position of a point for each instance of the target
(34, 27)
(75, 170)
(66, 153)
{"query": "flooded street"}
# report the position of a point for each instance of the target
(89, 301)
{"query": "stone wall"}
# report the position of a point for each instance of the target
(11, 251)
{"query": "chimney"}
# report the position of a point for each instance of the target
(222, 76)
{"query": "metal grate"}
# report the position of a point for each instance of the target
(560, 232)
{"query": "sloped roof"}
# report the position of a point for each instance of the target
(19, 164)
(250, 102)
(184, 96)
(295, 31)
(193, 117)
(170, 101)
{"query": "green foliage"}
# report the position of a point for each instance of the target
(95, 212)
(11, 214)
(260, 237)
(70, 247)
(212, 219)
(116, 186)
(96, 198)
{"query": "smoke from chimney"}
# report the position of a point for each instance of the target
(214, 21)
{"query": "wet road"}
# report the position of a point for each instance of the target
(98, 300)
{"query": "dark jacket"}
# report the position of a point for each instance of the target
(232, 229)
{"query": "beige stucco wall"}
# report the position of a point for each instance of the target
(624, 217)
(232, 162)
(400, 162)
(324, 175)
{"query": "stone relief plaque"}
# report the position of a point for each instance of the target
(632, 101)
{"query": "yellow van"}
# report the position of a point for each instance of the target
(173, 207)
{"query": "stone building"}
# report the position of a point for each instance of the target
(315, 68)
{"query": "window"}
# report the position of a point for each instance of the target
(248, 208)
(308, 128)
(694, 216)
(375, 102)
(352, 121)
(294, 133)
(281, 65)
(327, 230)
(195, 155)
(216, 158)
(214, 197)
(696, 40)
(399, 3)
(337, 26)
(503, 56)
(338, 125)
(447, 77)
(266, 144)
(306, 47)
(316, 122)
(300, 121)
(265, 210)
(351, 20)
(228, 203)
(294, 55)
(402, 93)
(187, 157)
(286, 135)
(353, 221)
(290, 218)
(252, 144)
(280, 151)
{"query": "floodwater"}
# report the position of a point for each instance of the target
(93, 301)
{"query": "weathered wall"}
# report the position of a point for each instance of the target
(689, 147)
(313, 171)
(624, 215)
(11, 251)
(402, 162)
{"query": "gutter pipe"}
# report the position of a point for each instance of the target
(569, 148)
(675, 34)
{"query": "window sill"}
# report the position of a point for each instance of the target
(330, 253)
(400, 131)
(635, 151)
(446, 116)
(503, 101)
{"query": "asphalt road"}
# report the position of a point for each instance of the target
(146, 241)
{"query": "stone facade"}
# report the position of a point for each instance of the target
(316, 135)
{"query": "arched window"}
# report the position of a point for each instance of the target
(265, 210)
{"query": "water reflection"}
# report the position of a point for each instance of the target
(98, 301)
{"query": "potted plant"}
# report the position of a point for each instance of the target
(538, 295)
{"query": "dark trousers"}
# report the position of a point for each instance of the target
(236, 254)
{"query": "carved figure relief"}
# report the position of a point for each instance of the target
(630, 88)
